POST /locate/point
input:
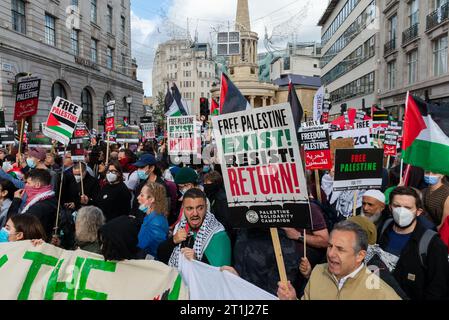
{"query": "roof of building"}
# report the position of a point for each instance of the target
(330, 8)
(299, 80)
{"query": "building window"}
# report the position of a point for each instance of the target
(93, 50)
(18, 16)
(93, 11)
(74, 39)
(201, 74)
(391, 73)
(74, 3)
(109, 18)
(58, 90)
(393, 25)
(86, 104)
(440, 56)
(123, 63)
(50, 31)
(412, 63)
(413, 17)
(202, 84)
(109, 58)
(123, 27)
(287, 63)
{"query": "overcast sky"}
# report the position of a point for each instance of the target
(153, 22)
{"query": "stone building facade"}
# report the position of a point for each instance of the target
(81, 50)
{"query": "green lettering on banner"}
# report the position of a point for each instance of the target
(174, 294)
(3, 260)
(266, 142)
(90, 264)
(38, 259)
(54, 286)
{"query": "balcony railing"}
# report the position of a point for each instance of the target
(438, 16)
(410, 34)
(390, 46)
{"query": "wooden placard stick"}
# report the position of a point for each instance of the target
(278, 254)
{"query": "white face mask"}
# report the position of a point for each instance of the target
(111, 177)
(7, 166)
(78, 179)
(403, 217)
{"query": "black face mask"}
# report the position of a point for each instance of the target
(211, 189)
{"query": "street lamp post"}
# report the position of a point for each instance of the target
(129, 100)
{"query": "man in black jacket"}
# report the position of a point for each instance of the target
(421, 277)
(40, 202)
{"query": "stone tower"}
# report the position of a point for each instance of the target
(245, 67)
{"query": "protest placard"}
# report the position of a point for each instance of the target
(358, 169)
(262, 169)
(27, 97)
(38, 140)
(380, 121)
(181, 133)
(7, 136)
(127, 134)
(62, 120)
(46, 272)
(315, 140)
(361, 136)
(391, 143)
(149, 130)
(110, 116)
(343, 143)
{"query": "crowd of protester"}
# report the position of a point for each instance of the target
(139, 205)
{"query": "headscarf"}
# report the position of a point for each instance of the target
(120, 238)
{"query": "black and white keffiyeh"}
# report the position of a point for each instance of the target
(209, 227)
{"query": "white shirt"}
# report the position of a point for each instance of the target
(351, 275)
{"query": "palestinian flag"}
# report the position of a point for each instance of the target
(214, 108)
(174, 104)
(295, 104)
(426, 135)
(231, 99)
(62, 120)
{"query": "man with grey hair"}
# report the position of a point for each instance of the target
(344, 276)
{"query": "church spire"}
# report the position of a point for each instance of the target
(242, 18)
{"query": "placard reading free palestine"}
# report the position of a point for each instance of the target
(262, 169)
(358, 169)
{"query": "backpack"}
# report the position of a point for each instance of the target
(424, 242)
(330, 215)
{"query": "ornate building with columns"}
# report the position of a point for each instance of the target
(244, 69)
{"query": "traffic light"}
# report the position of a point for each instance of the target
(204, 107)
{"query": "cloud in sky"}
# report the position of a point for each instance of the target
(286, 20)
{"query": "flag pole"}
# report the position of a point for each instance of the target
(107, 149)
(22, 128)
(81, 175)
(317, 185)
(59, 196)
(402, 158)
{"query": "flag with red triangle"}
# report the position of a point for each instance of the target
(214, 108)
(62, 120)
(231, 99)
(425, 142)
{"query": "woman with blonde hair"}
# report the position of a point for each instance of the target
(153, 203)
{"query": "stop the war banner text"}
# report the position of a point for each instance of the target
(46, 272)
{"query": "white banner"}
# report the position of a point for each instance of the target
(46, 272)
